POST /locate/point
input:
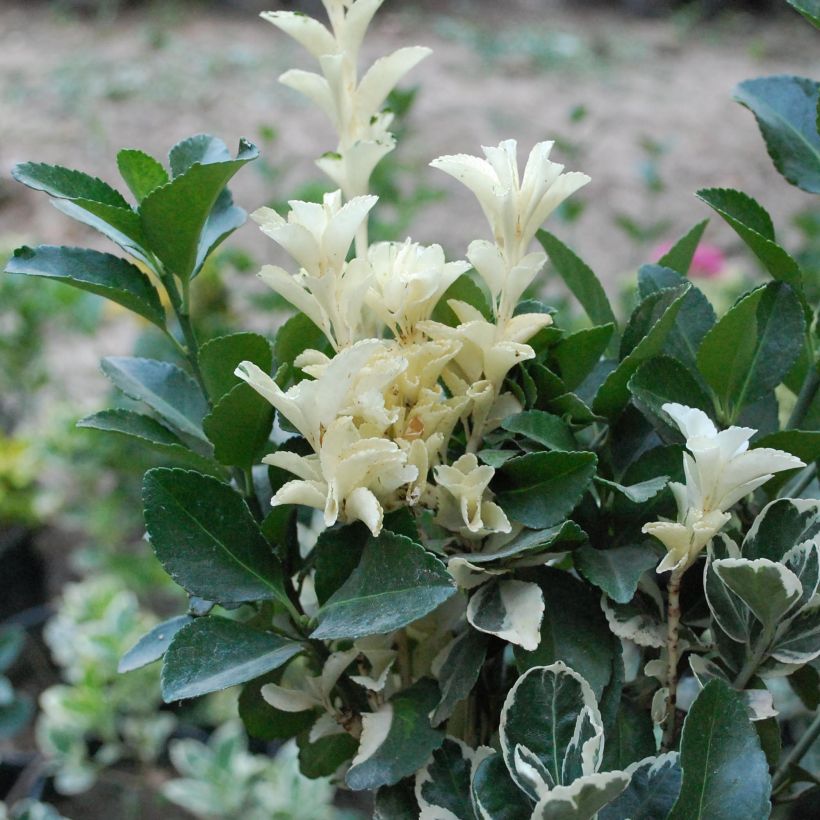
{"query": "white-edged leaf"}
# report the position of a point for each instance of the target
(457, 667)
(511, 610)
(582, 799)
(653, 788)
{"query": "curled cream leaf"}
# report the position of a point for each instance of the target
(720, 469)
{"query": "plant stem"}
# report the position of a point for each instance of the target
(805, 398)
(796, 754)
(753, 661)
(672, 630)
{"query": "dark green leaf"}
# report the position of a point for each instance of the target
(100, 273)
(651, 792)
(12, 639)
(294, 337)
(464, 289)
(262, 720)
(407, 743)
(694, 320)
(650, 325)
(200, 148)
(239, 426)
(786, 112)
(543, 428)
(751, 349)
(206, 538)
(121, 226)
(574, 630)
(152, 646)
(725, 774)
(810, 9)
(805, 444)
(397, 802)
(496, 794)
(67, 184)
(211, 654)
(166, 389)
(679, 257)
(149, 431)
(444, 783)
(781, 525)
(754, 226)
(174, 216)
(323, 757)
(541, 489)
(580, 279)
(338, 552)
(459, 671)
(629, 739)
(616, 571)
(219, 358)
(14, 715)
(578, 353)
(396, 583)
(141, 172)
(663, 380)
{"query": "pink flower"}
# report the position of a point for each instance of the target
(708, 262)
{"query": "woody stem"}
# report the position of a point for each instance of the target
(672, 657)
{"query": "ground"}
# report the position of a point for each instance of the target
(73, 90)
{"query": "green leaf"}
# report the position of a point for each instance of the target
(141, 172)
(731, 615)
(262, 721)
(800, 643)
(753, 346)
(679, 257)
(810, 9)
(396, 802)
(398, 739)
(638, 493)
(580, 279)
(14, 715)
(121, 226)
(543, 428)
(582, 799)
(656, 317)
(203, 149)
(781, 525)
(695, 318)
(540, 489)
(153, 645)
(508, 609)
(786, 112)
(458, 671)
(206, 538)
(464, 289)
(579, 353)
(805, 444)
(443, 785)
(754, 226)
(397, 582)
(616, 571)
(665, 380)
(95, 272)
(652, 791)
(211, 654)
(67, 184)
(552, 713)
(573, 630)
(768, 588)
(629, 738)
(174, 216)
(495, 793)
(239, 426)
(219, 358)
(166, 389)
(338, 552)
(323, 757)
(294, 337)
(725, 774)
(12, 639)
(149, 431)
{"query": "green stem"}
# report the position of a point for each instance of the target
(672, 658)
(796, 754)
(753, 661)
(805, 398)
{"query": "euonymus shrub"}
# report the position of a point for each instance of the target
(463, 553)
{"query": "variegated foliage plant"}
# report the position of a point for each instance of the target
(460, 548)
